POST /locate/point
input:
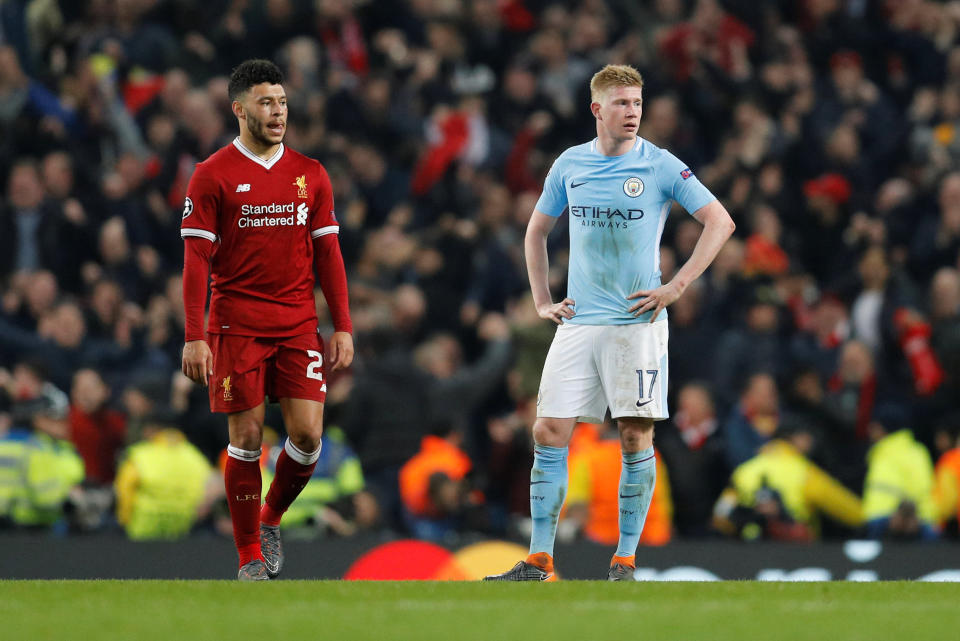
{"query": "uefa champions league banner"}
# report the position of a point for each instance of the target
(209, 557)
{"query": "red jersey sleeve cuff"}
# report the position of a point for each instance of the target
(193, 232)
(323, 231)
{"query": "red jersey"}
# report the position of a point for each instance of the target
(262, 216)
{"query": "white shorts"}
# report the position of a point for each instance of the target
(590, 368)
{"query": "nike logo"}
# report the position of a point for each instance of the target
(538, 482)
(574, 184)
(630, 496)
(546, 576)
(639, 404)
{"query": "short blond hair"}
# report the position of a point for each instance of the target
(613, 76)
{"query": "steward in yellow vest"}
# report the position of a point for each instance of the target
(161, 485)
(37, 473)
(898, 490)
(780, 493)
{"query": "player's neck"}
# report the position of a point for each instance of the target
(257, 148)
(609, 146)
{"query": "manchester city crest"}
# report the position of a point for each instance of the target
(633, 187)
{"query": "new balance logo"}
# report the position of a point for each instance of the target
(243, 187)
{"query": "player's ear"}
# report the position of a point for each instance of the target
(237, 109)
(595, 110)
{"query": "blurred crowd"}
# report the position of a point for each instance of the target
(815, 368)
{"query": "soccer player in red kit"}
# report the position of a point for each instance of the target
(258, 217)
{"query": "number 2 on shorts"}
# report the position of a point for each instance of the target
(313, 368)
(653, 381)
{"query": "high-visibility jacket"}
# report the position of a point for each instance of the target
(594, 480)
(946, 488)
(160, 486)
(436, 455)
(804, 488)
(898, 469)
(36, 476)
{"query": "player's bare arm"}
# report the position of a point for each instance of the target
(535, 249)
(197, 362)
(717, 228)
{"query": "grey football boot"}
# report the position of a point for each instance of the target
(253, 571)
(523, 571)
(272, 549)
(620, 572)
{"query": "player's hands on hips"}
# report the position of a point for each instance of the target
(197, 361)
(557, 311)
(341, 351)
(654, 299)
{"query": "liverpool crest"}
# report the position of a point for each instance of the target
(301, 184)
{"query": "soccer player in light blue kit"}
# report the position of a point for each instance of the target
(610, 349)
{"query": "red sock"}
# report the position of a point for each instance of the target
(243, 483)
(292, 476)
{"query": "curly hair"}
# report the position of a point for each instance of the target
(252, 72)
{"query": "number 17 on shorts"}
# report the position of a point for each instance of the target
(591, 368)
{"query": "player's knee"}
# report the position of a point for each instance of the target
(305, 432)
(306, 442)
(546, 433)
(246, 436)
(635, 432)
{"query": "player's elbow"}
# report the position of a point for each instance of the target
(722, 222)
(729, 226)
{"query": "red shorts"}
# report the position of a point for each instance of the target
(248, 368)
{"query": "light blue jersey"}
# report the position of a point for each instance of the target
(618, 206)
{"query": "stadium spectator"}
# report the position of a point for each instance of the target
(162, 484)
(38, 474)
(434, 485)
(781, 495)
(755, 346)
(752, 421)
(690, 446)
(946, 486)
(944, 309)
(97, 431)
(897, 492)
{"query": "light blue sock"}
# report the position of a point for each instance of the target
(548, 489)
(638, 475)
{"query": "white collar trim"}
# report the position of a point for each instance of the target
(266, 164)
(595, 145)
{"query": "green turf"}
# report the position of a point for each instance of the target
(576, 610)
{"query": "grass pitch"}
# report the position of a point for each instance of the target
(387, 611)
